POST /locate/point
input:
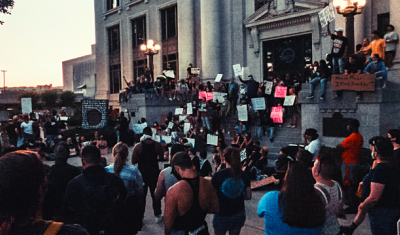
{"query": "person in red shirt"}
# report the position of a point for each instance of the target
(351, 148)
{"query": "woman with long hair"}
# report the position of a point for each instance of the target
(297, 208)
(233, 187)
(323, 76)
(133, 181)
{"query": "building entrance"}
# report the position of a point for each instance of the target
(287, 56)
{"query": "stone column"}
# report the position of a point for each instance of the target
(186, 36)
(210, 35)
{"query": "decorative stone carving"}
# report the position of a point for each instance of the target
(254, 37)
(315, 27)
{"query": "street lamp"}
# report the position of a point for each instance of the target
(349, 8)
(150, 49)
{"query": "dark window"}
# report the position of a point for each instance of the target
(260, 3)
(335, 126)
(115, 78)
(169, 23)
(111, 4)
(113, 39)
(138, 68)
(138, 31)
(383, 22)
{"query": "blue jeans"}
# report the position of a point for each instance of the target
(337, 61)
(383, 220)
(383, 75)
(206, 123)
(314, 82)
(260, 132)
(151, 91)
(352, 172)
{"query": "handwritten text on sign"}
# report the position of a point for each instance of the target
(280, 91)
(258, 103)
(353, 82)
(277, 114)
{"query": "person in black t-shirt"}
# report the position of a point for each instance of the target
(12, 132)
(354, 66)
(339, 49)
(394, 136)
(205, 166)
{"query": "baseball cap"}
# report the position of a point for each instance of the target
(180, 158)
(339, 30)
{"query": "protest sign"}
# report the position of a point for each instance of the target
(202, 94)
(237, 70)
(327, 14)
(218, 96)
(218, 78)
(186, 127)
(154, 131)
(64, 119)
(203, 108)
(157, 138)
(245, 72)
(178, 111)
(195, 71)
(280, 91)
(182, 118)
(332, 11)
(243, 155)
(268, 87)
(212, 139)
(170, 73)
(263, 182)
(26, 105)
(353, 82)
(209, 96)
(138, 128)
(322, 18)
(170, 125)
(289, 100)
(242, 112)
(277, 114)
(189, 109)
(167, 139)
(191, 141)
(258, 103)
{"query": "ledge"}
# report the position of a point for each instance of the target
(134, 2)
(112, 11)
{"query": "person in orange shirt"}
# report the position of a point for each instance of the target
(378, 46)
(351, 148)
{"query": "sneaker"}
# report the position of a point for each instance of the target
(384, 86)
(289, 126)
(170, 99)
(159, 219)
(322, 97)
(271, 140)
(310, 97)
(177, 98)
(294, 127)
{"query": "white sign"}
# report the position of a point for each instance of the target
(237, 70)
(178, 111)
(154, 131)
(218, 78)
(195, 71)
(268, 87)
(64, 119)
(327, 15)
(191, 141)
(157, 138)
(289, 100)
(322, 18)
(243, 155)
(170, 73)
(167, 139)
(242, 112)
(138, 128)
(245, 72)
(212, 139)
(189, 109)
(170, 125)
(26, 105)
(332, 11)
(258, 103)
(186, 127)
(182, 118)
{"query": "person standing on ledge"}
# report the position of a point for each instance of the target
(391, 39)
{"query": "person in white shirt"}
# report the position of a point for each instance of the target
(311, 142)
(26, 126)
(391, 39)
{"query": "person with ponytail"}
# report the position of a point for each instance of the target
(133, 181)
(233, 187)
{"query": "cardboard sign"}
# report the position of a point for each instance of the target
(277, 114)
(195, 71)
(268, 87)
(170, 73)
(280, 91)
(237, 70)
(209, 95)
(186, 127)
(218, 78)
(258, 103)
(353, 82)
(182, 118)
(202, 94)
(178, 111)
(212, 139)
(167, 139)
(170, 125)
(289, 100)
(26, 105)
(266, 181)
(242, 112)
(191, 141)
(189, 109)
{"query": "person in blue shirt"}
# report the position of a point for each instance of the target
(377, 66)
(297, 208)
(240, 128)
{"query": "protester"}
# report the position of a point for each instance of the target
(233, 95)
(394, 136)
(391, 39)
(339, 50)
(233, 187)
(311, 142)
(12, 131)
(188, 201)
(27, 130)
(377, 46)
(354, 66)
(205, 166)
(240, 128)
(252, 86)
(377, 66)
(365, 48)
(123, 127)
(203, 113)
(323, 76)
(293, 110)
(297, 208)
(159, 88)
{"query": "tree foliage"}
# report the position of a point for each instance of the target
(50, 98)
(5, 7)
(34, 96)
(67, 99)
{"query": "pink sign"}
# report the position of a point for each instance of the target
(202, 94)
(209, 95)
(277, 114)
(280, 91)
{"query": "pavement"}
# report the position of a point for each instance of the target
(253, 225)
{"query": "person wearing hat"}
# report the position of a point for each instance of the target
(339, 49)
(189, 201)
(380, 191)
(312, 142)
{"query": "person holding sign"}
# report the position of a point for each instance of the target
(202, 112)
(293, 111)
(324, 75)
(339, 49)
(252, 86)
(233, 95)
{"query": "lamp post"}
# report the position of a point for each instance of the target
(4, 76)
(150, 49)
(349, 8)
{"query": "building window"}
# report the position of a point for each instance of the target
(138, 69)
(260, 3)
(169, 23)
(115, 78)
(111, 4)
(113, 39)
(383, 22)
(138, 31)
(170, 62)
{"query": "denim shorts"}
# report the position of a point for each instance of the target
(225, 223)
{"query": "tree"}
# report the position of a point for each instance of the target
(49, 98)
(5, 7)
(34, 96)
(67, 99)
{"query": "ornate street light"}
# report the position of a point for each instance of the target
(349, 8)
(150, 49)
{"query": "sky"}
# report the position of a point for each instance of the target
(39, 35)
